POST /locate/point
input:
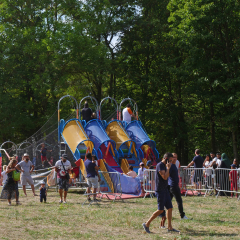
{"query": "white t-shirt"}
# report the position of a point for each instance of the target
(4, 175)
(127, 112)
(218, 162)
(177, 164)
(67, 166)
(96, 162)
(208, 171)
(140, 173)
(132, 174)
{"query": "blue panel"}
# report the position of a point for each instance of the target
(137, 134)
(97, 134)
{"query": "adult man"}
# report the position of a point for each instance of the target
(92, 179)
(198, 163)
(86, 112)
(177, 164)
(26, 167)
(62, 167)
(175, 192)
(127, 114)
(162, 193)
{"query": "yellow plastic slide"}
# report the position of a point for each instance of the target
(116, 132)
(74, 134)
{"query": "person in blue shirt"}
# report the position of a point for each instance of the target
(162, 193)
(198, 172)
(92, 176)
(174, 189)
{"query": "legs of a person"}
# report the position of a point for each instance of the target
(161, 202)
(177, 194)
(45, 199)
(65, 195)
(61, 193)
(41, 199)
(163, 221)
(24, 190)
(94, 193)
(169, 218)
(33, 190)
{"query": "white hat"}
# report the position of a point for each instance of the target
(42, 182)
(26, 155)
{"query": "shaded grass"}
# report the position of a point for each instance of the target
(211, 219)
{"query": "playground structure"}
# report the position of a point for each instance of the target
(115, 143)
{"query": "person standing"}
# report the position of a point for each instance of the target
(174, 189)
(62, 167)
(198, 163)
(26, 167)
(141, 176)
(128, 114)
(4, 175)
(92, 176)
(10, 188)
(86, 112)
(162, 193)
(177, 164)
(43, 192)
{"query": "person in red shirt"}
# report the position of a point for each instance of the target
(233, 179)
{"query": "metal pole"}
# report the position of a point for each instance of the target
(100, 106)
(92, 98)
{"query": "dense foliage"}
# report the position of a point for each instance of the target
(178, 59)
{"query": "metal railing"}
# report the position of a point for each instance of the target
(200, 181)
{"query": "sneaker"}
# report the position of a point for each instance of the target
(162, 227)
(64, 202)
(184, 218)
(18, 203)
(199, 194)
(173, 230)
(60, 201)
(9, 204)
(89, 199)
(146, 228)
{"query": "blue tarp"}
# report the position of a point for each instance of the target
(129, 185)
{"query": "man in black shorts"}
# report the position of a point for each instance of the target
(162, 193)
(198, 173)
(86, 112)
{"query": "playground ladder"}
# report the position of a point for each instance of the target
(63, 147)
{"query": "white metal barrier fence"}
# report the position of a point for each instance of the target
(200, 181)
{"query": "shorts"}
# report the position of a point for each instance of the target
(197, 176)
(43, 158)
(164, 200)
(26, 180)
(63, 183)
(92, 182)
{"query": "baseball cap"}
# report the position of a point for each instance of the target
(141, 163)
(65, 156)
(26, 155)
(233, 165)
(149, 162)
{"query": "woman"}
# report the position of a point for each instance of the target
(208, 172)
(141, 175)
(10, 188)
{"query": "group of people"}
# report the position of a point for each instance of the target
(225, 179)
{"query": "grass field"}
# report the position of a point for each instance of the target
(211, 219)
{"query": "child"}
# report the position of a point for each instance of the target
(140, 175)
(43, 193)
(233, 179)
(44, 154)
(4, 175)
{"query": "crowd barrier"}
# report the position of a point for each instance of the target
(200, 181)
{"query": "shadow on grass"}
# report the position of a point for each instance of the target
(197, 233)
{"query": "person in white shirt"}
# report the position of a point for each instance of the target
(62, 167)
(140, 175)
(131, 173)
(208, 171)
(128, 114)
(4, 175)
